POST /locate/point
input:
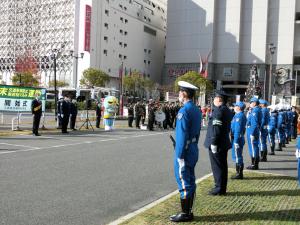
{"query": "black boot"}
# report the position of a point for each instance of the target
(256, 162)
(186, 214)
(264, 156)
(251, 167)
(283, 144)
(239, 172)
(279, 147)
(272, 150)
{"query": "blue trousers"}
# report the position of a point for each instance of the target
(271, 136)
(281, 135)
(263, 140)
(185, 178)
(298, 147)
(237, 153)
(288, 131)
(253, 146)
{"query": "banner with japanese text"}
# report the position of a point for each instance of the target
(18, 99)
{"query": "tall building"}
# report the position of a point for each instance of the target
(233, 35)
(30, 30)
(128, 36)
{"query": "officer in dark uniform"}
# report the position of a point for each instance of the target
(65, 114)
(98, 114)
(130, 115)
(73, 112)
(188, 125)
(59, 119)
(151, 116)
(218, 142)
(294, 123)
(36, 110)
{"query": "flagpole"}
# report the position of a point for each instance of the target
(121, 91)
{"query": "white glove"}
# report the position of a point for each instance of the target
(214, 148)
(62, 115)
(297, 153)
(252, 138)
(236, 145)
(180, 162)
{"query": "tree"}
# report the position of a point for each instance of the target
(94, 78)
(194, 78)
(25, 79)
(59, 83)
(254, 86)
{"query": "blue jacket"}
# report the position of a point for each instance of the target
(265, 118)
(273, 121)
(238, 125)
(188, 126)
(280, 120)
(254, 121)
(290, 116)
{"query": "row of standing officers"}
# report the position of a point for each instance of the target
(225, 131)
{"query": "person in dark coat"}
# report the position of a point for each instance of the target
(98, 114)
(139, 112)
(151, 116)
(65, 114)
(218, 142)
(36, 110)
(59, 119)
(73, 112)
(130, 115)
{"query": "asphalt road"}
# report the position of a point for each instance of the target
(92, 178)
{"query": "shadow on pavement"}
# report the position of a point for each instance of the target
(278, 168)
(266, 193)
(269, 178)
(281, 215)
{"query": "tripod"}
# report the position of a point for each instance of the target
(87, 121)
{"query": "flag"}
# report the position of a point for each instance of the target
(201, 65)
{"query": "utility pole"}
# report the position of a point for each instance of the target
(272, 49)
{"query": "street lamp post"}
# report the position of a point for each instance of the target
(76, 57)
(272, 49)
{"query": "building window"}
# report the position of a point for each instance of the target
(120, 6)
(125, 8)
(125, 33)
(149, 51)
(145, 61)
(121, 18)
(121, 31)
(120, 56)
(145, 50)
(149, 20)
(149, 30)
(105, 38)
(106, 12)
(138, 14)
(106, 25)
(126, 20)
(121, 44)
(125, 45)
(125, 57)
(105, 52)
(149, 62)
(109, 70)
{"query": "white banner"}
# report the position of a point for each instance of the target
(21, 105)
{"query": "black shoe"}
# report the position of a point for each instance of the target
(279, 147)
(214, 192)
(37, 134)
(283, 145)
(264, 156)
(74, 129)
(64, 132)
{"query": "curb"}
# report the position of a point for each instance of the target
(145, 208)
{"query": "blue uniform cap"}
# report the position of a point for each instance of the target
(253, 99)
(262, 101)
(240, 104)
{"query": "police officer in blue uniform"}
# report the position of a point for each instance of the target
(288, 132)
(272, 126)
(218, 142)
(238, 125)
(253, 129)
(264, 129)
(280, 128)
(188, 125)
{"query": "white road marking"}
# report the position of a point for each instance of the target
(24, 146)
(151, 205)
(31, 148)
